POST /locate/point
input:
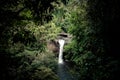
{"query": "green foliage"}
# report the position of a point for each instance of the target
(43, 32)
(26, 63)
(98, 68)
(88, 22)
(60, 15)
(25, 27)
(46, 74)
(27, 14)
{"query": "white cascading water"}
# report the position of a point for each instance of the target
(63, 71)
(61, 43)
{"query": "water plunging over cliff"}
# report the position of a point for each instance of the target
(63, 70)
(60, 58)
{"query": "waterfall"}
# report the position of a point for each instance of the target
(60, 58)
(63, 70)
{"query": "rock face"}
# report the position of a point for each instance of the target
(53, 46)
(65, 36)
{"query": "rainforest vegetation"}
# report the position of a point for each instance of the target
(26, 26)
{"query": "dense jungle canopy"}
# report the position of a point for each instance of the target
(26, 26)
